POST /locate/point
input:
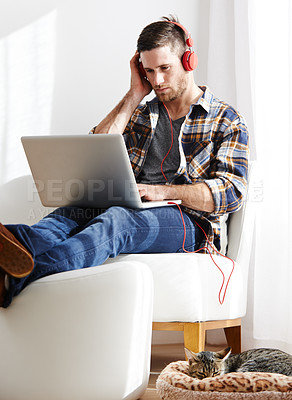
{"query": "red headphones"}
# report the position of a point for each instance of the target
(189, 58)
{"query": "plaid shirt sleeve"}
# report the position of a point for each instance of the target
(228, 176)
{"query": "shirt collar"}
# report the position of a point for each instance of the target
(206, 99)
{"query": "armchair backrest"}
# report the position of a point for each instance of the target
(240, 227)
(20, 203)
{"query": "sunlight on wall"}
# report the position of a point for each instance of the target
(27, 62)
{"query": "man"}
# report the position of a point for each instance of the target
(184, 144)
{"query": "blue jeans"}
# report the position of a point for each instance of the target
(73, 238)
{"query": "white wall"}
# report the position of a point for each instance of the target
(94, 45)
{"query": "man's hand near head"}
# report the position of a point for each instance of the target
(117, 119)
(140, 86)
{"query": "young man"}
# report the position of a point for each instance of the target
(184, 144)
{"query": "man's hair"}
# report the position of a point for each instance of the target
(163, 33)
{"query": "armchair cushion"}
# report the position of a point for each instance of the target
(187, 286)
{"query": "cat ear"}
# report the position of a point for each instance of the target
(223, 354)
(190, 355)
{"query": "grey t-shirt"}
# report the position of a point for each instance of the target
(161, 142)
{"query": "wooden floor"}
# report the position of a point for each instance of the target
(161, 356)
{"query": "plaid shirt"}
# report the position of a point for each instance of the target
(213, 144)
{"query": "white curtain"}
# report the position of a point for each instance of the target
(250, 66)
(273, 129)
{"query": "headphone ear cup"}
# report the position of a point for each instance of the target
(190, 60)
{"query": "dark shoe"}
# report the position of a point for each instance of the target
(15, 259)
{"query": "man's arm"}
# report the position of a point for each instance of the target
(197, 196)
(117, 119)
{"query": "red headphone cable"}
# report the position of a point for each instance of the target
(221, 301)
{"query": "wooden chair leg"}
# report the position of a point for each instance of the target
(233, 337)
(194, 336)
(195, 332)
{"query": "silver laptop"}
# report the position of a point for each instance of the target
(84, 170)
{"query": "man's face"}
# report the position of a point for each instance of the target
(165, 73)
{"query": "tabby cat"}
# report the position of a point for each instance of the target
(207, 363)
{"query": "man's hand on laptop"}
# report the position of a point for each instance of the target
(196, 196)
(153, 192)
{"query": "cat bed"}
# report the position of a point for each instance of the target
(174, 383)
